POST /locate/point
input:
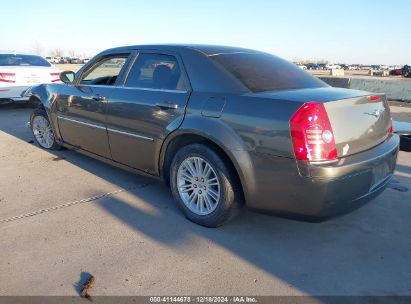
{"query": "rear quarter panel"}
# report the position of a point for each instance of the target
(247, 128)
(261, 123)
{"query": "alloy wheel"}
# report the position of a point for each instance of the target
(42, 131)
(198, 185)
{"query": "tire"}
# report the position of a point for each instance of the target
(210, 210)
(405, 143)
(42, 131)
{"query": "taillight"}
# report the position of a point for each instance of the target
(311, 133)
(55, 77)
(7, 77)
(391, 127)
(374, 98)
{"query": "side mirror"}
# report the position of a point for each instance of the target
(67, 77)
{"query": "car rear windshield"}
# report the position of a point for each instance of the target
(23, 60)
(261, 72)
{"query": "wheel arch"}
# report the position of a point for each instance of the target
(41, 96)
(34, 100)
(238, 159)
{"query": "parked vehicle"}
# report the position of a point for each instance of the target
(403, 129)
(64, 60)
(396, 72)
(375, 67)
(223, 126)
(20, 71)
(75, 60)
(344, 66)
(85, 60)
(333, 66)
(301, 66)
(322, 66)
(354, 67)
(313, 66)
(52, 60)
(406, 71)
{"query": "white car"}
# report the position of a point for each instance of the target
(52, 60)
(333, 66)
(21, 71)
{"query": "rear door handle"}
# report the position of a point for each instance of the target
(165, 105)
(99, 98)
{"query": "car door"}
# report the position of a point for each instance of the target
(150, 104)
(81, 108)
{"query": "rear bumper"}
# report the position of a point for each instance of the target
(319, 191)
(13, 94)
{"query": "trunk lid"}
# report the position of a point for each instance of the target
(358, 122)
(30, 75)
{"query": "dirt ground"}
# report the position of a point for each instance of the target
(68, 67)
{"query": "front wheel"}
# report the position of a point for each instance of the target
(42, 130)
(206, 189)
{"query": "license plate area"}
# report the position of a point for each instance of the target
(33, 80)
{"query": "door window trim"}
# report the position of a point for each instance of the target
(134, 60)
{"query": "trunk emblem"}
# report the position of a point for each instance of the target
(375, 113)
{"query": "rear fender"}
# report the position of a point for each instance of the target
(225, 138)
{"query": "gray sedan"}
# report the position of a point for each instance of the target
(224, 127)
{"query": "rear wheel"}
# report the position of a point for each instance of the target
(205, 188)
(42, 131)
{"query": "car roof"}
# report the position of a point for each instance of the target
(205, 49)
(204, 75)
(17, 53)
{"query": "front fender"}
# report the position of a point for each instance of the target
(43, 93)
(225, 138)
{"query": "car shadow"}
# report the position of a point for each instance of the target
(363, 253)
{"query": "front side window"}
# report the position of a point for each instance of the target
(156, 71)
(104, 72)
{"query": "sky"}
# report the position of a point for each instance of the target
(340, 31)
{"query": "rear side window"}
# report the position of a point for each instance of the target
(261, 72)
(156, 71)
(23, 60)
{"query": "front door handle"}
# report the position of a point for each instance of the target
(165, 105)
(99, 98)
